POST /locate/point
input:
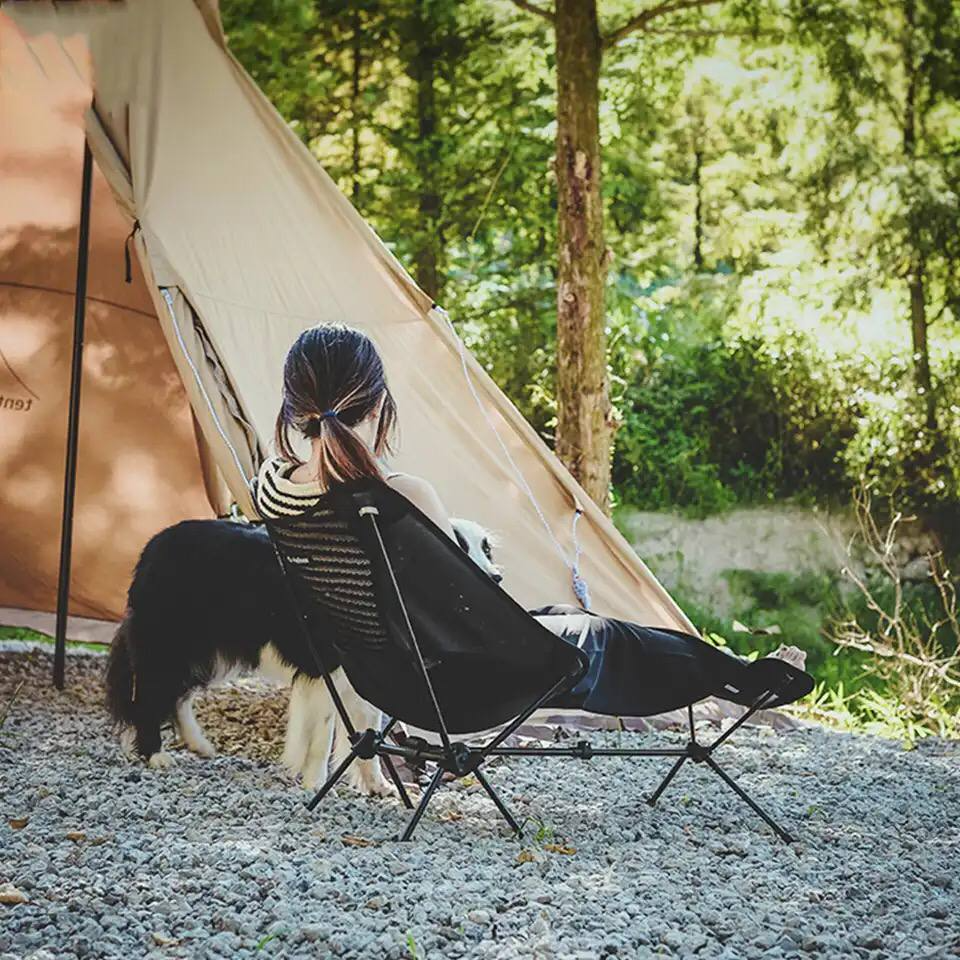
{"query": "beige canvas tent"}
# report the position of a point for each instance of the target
(239, 241)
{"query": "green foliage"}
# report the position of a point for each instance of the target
(412, 952)
(781, 187)
(896, 452)
(802, 609)
(263, 941)
(33, 636)
(710, 421)
(877, 712)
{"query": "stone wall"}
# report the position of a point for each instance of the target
(694, 556)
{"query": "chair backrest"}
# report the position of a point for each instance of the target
(393, 591)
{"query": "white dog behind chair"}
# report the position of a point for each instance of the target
(314, 728)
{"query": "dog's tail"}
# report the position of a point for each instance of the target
(121, 681)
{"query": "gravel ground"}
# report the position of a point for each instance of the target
(219, 858)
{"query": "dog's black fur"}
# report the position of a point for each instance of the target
(205, 594)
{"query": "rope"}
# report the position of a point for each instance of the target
(580, 587)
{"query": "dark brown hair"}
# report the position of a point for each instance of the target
(333, 379)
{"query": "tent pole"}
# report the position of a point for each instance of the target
(73, 421)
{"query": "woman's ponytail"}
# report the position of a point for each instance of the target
(333, 380)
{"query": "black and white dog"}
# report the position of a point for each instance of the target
(207, 601)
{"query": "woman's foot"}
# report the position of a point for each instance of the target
(790, 654)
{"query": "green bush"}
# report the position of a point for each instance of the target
(805, 607)
(712, 419)
(709, 425)
(899, 457)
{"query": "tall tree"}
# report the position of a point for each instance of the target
(427, 30)
(585, 415)
(885, 187)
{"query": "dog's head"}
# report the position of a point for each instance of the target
(477, 544)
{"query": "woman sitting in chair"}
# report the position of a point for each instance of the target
(335, 396)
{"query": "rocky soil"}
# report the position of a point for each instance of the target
(100, 857)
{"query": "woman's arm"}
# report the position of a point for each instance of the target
(422, 495)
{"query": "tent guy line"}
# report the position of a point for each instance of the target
(580, 587)
(16, 376)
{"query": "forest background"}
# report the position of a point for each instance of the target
(777, 280)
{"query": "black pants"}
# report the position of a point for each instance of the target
(634, 670)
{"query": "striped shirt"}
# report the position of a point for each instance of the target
(278, 496)
(350, 601)
(329, 563)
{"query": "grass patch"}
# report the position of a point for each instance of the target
(34, 636)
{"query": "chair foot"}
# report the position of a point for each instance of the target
(500, 805)
(331, 780)
(422, 805)
(397, 782)
(749, 801)
(674, 770)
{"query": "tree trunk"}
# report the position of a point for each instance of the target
(584, 413)
(427, 253)
(921, 349)
(698, 207)
(915, 276)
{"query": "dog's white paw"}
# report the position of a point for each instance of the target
(161, 760)
(366, 777)
(128, 743)
(203, 748)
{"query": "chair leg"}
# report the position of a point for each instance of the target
(500, 805)
(674, 770)
(422, 806)
(397, 782)
(332, 779)
(737, 789)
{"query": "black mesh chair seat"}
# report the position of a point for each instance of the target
(486, 657)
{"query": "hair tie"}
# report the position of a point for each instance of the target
(326, 415)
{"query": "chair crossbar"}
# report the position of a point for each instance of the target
(584, 750)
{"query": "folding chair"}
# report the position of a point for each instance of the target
(430, 640)
(422, 634)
